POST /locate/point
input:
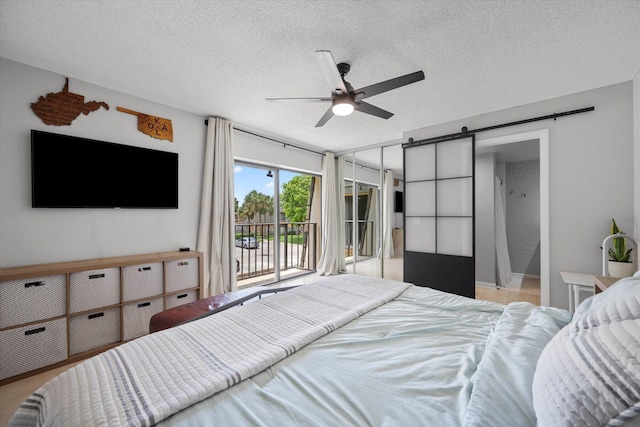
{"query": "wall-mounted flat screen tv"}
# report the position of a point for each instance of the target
(399, 201)
(73, 172)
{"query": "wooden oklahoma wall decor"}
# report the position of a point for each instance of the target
(156, 127)
(61, 108)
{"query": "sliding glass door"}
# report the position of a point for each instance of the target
(276, 231)
(363, 212)
(362, 232)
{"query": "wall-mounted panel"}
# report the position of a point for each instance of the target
(420, 198)
(455, 197)
(439, 214)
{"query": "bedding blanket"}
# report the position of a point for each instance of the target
(403, 356)
(146, 380)
(426, 358)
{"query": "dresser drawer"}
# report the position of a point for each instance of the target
(136, 317)
(175, 300)
(26, 348)
(33, 299)
(142, 281)
(182, 274)
(93, 289)
(94, 330)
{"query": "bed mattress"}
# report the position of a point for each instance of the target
(425, 358)
(346, 350)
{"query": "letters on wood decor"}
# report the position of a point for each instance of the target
(156, 127)
(60, 109)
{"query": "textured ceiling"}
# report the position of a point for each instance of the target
(224, 57)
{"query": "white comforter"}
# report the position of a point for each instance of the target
(347, 350)
(146, 380)
(426, 358)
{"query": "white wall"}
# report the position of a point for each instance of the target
(636, 136)
(33, 236)
(523, 216)
(254, 149)
(587, 152)
(485, 219)
(363, 174)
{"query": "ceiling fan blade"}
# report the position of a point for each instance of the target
(365, 107)
(324, 119)
(387, 85)
(330, 71)
(300, 99)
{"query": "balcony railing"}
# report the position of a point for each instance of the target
(256, 249)
(366, 238)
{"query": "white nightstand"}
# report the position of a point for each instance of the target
(578, 282)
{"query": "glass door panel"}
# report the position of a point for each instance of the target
(300, 216)
(255, 224)
(270, 247)
(366, 173)
(439, 215)
(392, 227)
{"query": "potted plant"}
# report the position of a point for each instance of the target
(620, 264)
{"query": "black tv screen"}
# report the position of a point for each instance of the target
(73, 172)
(399, 201)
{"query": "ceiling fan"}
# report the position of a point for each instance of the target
(344, 98)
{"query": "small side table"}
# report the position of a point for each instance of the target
(577, 282)
(603, 282)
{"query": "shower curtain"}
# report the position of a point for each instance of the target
(502, 251)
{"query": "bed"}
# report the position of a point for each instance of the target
(350, 350)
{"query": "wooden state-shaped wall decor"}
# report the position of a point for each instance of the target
(156, 127)
(61, 108)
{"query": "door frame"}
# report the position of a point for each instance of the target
(542, 135)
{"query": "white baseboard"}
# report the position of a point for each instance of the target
(486, 285)
(516, 281)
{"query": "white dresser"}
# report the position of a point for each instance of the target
(52, 314)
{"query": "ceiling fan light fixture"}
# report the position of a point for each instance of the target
(344, 98)
(342, 107)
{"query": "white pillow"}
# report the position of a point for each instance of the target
(589, 373)
(623, 288)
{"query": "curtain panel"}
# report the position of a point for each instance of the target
(332, 252)
(216, 233)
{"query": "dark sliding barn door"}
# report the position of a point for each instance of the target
(439, 215)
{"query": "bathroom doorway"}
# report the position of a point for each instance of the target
(513, 170)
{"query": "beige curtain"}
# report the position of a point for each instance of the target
(216, 233)
(332, 252)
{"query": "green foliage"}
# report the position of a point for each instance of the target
(295, 198)
(297, 239)
(618, 252)
(255, 206)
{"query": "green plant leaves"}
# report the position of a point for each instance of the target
(618, 252)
